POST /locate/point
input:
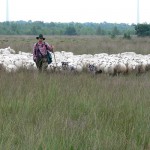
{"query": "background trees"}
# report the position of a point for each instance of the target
(142, 29)
(52, 28)
(70, 30)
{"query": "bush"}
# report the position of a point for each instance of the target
(127, 36)
(142, 29)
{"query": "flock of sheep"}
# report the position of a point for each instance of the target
(111, 64)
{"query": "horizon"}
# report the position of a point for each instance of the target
(66, 22)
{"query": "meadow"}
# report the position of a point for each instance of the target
(75, 111)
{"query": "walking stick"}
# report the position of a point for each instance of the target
(54, 58)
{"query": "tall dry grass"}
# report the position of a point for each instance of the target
(75, 112)
(80, 44)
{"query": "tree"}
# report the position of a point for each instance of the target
(142, 29)
(70, 30)
(127, 36)
(34, 30)
(14, 28)
(115, 31)
(99, 31)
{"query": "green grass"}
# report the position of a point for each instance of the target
(74, 112)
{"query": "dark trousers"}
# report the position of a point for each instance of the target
(42, 64)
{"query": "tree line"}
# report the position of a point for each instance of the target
(72, 28)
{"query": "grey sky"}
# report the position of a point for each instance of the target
(114, 11)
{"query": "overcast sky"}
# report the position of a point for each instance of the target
(112, 11)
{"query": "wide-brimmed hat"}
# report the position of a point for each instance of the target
(40, 37)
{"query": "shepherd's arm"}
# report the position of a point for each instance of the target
(50, 47)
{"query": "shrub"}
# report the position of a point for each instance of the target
(127, 36)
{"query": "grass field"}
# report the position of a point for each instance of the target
(80, 44)
(75, 112)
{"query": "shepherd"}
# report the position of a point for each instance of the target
(41, 53)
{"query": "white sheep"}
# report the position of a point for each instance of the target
(11, 68)
(113, 64)
(120, 68)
